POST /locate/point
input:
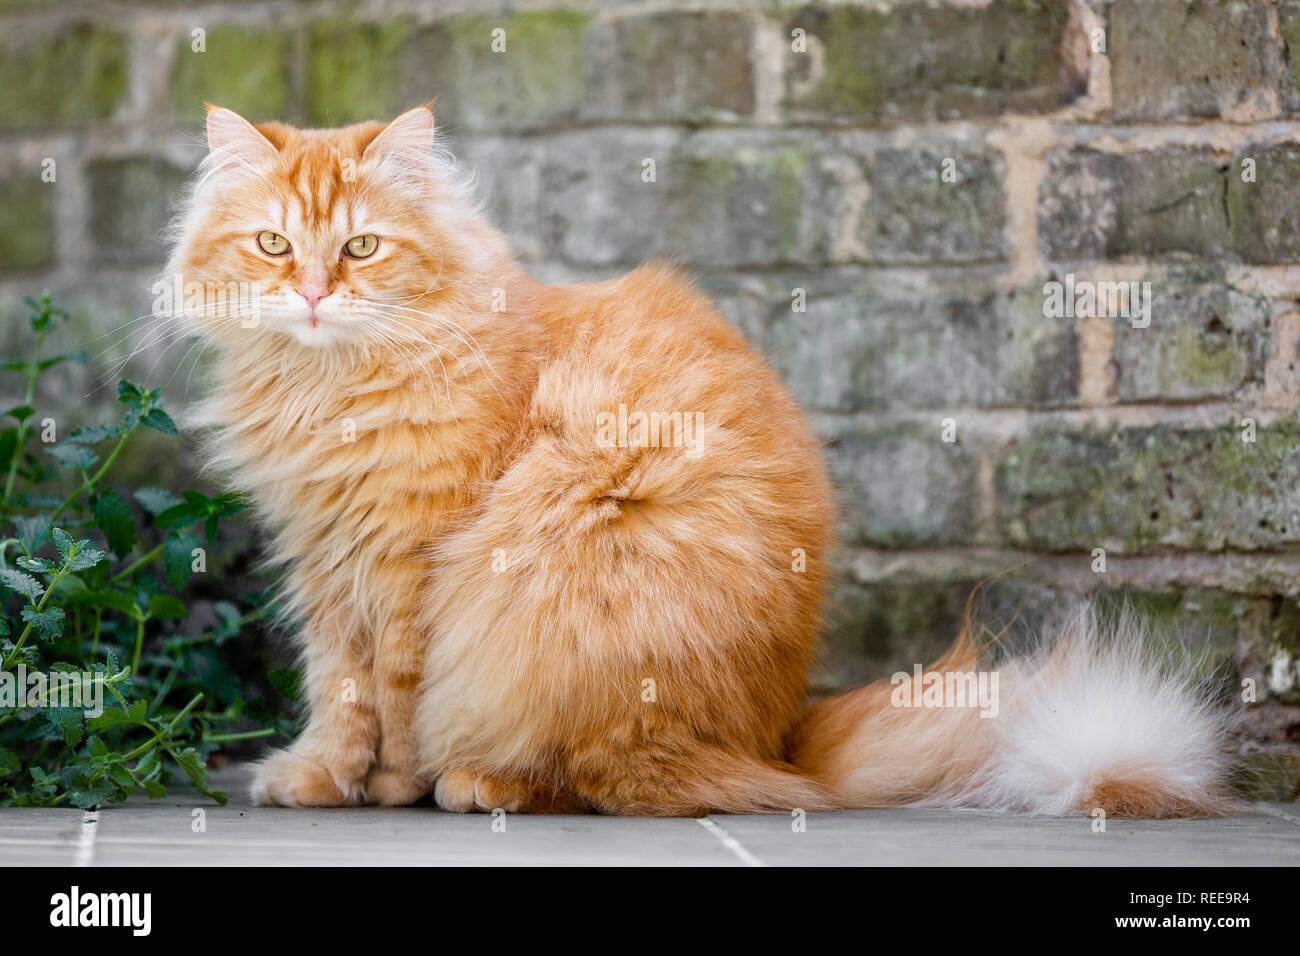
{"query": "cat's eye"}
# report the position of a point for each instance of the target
(272, 243)
(361, 247)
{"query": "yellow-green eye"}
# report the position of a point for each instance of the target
(272, 243)
(362, 247)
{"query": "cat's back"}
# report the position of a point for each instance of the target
(646, 390)
(650, 341)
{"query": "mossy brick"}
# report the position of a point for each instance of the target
(938, 205)
(537, 80)
(68, 75)
(923, 61)
(246, 70)
(877, 628)
(676, 66)
(1167, 202)
(907, 485)
(129, 209)
(1134, 489)
(1170, 59)
(354, 71)
(714, 201)
(26, 224)
(1203, 342)
(1288, 15)
(1265, 212)
(750, 205)
(869, 346)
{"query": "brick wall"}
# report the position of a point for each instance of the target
(877, 193)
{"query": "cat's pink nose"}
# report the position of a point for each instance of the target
(313, 294)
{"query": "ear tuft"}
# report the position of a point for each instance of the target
(407, 141)
(234, 143)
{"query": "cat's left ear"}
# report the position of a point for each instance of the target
(406, 144)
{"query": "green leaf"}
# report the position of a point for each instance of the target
(113, 600)
(167, 607)
(92, 434)
(229, 503)
(47, 623)
(32, 531)
(155, 500)
(53, 360)
(178, 559)
(37, 565)
(9, 762)
(62, 541)
(191, 762)
(98, 749)
(113, 517)
(116, 716)
(23, 584)
(159, 420)
(150, 763)
(21, 413)
(72, 455)
(288, 681)
(178, 516)
(86, 557)
(68, 722)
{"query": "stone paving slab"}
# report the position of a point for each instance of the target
(163, 832)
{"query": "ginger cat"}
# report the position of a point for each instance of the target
(565, 548)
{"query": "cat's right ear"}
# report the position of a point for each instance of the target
(235, 144)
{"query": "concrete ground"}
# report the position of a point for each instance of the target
(173, 831)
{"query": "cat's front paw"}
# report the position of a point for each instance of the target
(392, 787)
(290, 779)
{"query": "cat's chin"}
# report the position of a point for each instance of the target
(316, 336)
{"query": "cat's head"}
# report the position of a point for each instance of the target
(323, 237)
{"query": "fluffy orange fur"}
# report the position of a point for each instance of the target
(499, 604)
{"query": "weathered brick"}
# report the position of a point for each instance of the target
(246, 70)
(74, 74)
(907, 486)
(867, 345)
(1170, 59)
(538, 80)
(508, 180)
(1137, 488)
(130, 200)
(1265, 213)
(714, 201)
(1288, 13)
(1096, 205)
(26, 224)
(937, 205)
(680, 66)
(1202, 343)
(920, 61)
(354, 71)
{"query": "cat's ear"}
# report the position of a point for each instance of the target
(235, 144)
(404, 148)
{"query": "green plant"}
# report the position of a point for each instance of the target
(91, 608)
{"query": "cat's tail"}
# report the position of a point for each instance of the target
(1099, 717)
